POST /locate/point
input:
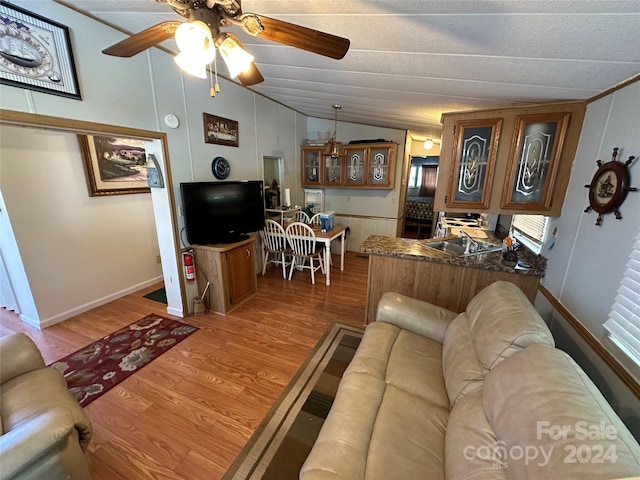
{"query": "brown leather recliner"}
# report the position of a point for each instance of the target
(44, 432)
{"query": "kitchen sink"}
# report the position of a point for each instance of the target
(458, 246)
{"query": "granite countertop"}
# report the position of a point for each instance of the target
(418, 250)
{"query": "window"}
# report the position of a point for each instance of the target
(623, 325)
(414, 177)
(530, 230)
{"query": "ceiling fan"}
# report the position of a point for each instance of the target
(199, 37)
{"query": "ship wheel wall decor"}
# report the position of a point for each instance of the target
(609, 187)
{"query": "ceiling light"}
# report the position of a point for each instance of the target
(196, 48)
(238, 60)
(332, 148)
(428, 144)
(191, 65)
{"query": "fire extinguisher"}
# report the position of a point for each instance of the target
(189, 268)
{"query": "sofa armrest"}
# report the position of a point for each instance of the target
(33, 440)
(18, 355)
(420, 317)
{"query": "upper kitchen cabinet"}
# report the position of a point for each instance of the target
(355, 165)
(475, 158)
(381, 165)
(362, 165)
(515, 160)
(311, 158)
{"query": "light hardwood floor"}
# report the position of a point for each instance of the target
(188, 413)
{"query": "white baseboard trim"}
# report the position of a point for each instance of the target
(93, 304)
(178, 312)
(32, 322)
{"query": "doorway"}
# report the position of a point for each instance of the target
(76, 298)
(421, 191)
(272, 180)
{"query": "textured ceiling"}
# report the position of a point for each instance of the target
(412, 60)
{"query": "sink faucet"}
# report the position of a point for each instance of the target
(473, 242)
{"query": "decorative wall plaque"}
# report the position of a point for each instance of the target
(609, 187)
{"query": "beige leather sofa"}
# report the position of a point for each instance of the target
(431, 394)
(44, 430)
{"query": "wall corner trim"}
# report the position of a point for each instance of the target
(593, 342)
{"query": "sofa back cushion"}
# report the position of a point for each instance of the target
(498, 322)
(472, 450)
(502, 322)
(539, 403)
(460, 367)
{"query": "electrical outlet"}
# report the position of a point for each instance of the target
(158, 259)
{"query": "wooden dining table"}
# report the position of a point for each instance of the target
(326, 238)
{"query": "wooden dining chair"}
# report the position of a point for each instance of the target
(302, 240)
(315, 221)
(274, 243)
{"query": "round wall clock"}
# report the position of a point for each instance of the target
(171, 120)
(220, 167)
(609, 187)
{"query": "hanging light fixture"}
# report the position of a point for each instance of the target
(333, 148)
(197, 49)
(428, 144)
(237, 59)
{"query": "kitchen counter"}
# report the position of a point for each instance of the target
(418, 250)
(410, 267)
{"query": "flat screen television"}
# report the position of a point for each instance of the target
(222, 212)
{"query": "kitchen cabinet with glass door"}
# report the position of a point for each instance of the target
(312, 165)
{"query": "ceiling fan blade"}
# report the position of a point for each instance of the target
(251, 76)
(143, 40)
(305, 38)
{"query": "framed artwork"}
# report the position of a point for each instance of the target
(533, 160)
(221, 131)
(474, 158)
(114, 165)
(36, 53)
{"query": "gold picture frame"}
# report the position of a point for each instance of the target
(534, 159)
(474, 157)
(114, 165)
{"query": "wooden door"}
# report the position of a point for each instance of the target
(241, 275)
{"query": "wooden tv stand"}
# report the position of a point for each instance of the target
(230, 269)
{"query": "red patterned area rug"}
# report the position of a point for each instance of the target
(97, 368)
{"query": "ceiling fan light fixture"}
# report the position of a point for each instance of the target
(237, 59)
(197, 49)
(195, 38)
(428, 144)
(191, 65)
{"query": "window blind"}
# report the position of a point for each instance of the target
(623, 325)
(532, 226)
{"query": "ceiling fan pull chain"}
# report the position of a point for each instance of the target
(214, 89)
(215, 67)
